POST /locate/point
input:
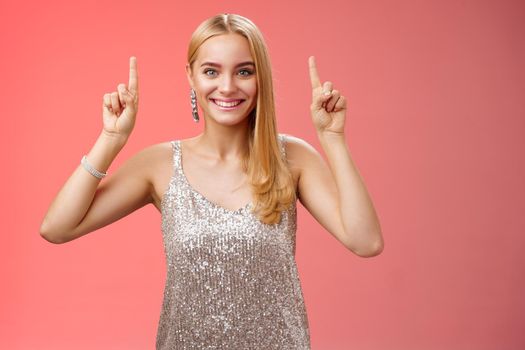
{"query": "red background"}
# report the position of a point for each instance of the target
(435, 125)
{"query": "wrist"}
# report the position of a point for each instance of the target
(102, 154)
(330, 135)
(112, 140)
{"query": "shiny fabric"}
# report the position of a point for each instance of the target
(232, 281)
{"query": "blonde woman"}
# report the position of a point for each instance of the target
(227, 197)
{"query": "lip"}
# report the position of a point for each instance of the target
(227, 100)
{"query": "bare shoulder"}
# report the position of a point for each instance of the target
(299, 153)
(152, 154)
(297, 145)
(150, 158)
(156, 160)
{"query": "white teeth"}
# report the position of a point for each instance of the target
(227, 104)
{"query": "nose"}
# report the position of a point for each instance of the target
(227, 84)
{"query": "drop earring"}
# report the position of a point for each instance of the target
(194, 111)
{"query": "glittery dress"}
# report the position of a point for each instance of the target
(232, 281)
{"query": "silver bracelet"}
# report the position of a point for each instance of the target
(92, 170)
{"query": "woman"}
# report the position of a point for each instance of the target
(227, 196)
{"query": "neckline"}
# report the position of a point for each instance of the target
(200, 195)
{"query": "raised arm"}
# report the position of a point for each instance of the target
(84, 204)
(334, 193)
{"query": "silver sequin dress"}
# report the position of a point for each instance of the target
(232, 281)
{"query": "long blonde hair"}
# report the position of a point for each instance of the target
(268, 174)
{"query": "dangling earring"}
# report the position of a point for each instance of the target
(194, 111)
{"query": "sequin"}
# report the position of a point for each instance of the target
(232, 281)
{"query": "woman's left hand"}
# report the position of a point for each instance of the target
(328, 106)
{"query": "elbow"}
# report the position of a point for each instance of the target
(370, 250)
(45, 234)
(49, 238)
(374, 251)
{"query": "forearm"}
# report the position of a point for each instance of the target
(358, 216)
(74, 198)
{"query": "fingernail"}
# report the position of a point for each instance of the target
(327, 93)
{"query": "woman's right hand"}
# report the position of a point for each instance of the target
(120, 107)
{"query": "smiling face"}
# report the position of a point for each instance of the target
(224, 78)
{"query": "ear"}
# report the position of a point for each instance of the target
(189, 74)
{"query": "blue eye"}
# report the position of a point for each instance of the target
(212, 72)
(208, 71)
(246, 71)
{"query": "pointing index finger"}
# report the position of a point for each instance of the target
(133, 83)
(314, 76)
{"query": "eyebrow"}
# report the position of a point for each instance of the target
(213, 64)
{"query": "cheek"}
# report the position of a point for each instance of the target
(204, 87)
(251, 89)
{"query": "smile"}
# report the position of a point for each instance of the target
(231, 104)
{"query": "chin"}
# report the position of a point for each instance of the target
(228, 118)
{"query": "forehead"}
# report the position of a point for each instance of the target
(225, 49)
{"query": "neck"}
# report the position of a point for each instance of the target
(224, 142)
